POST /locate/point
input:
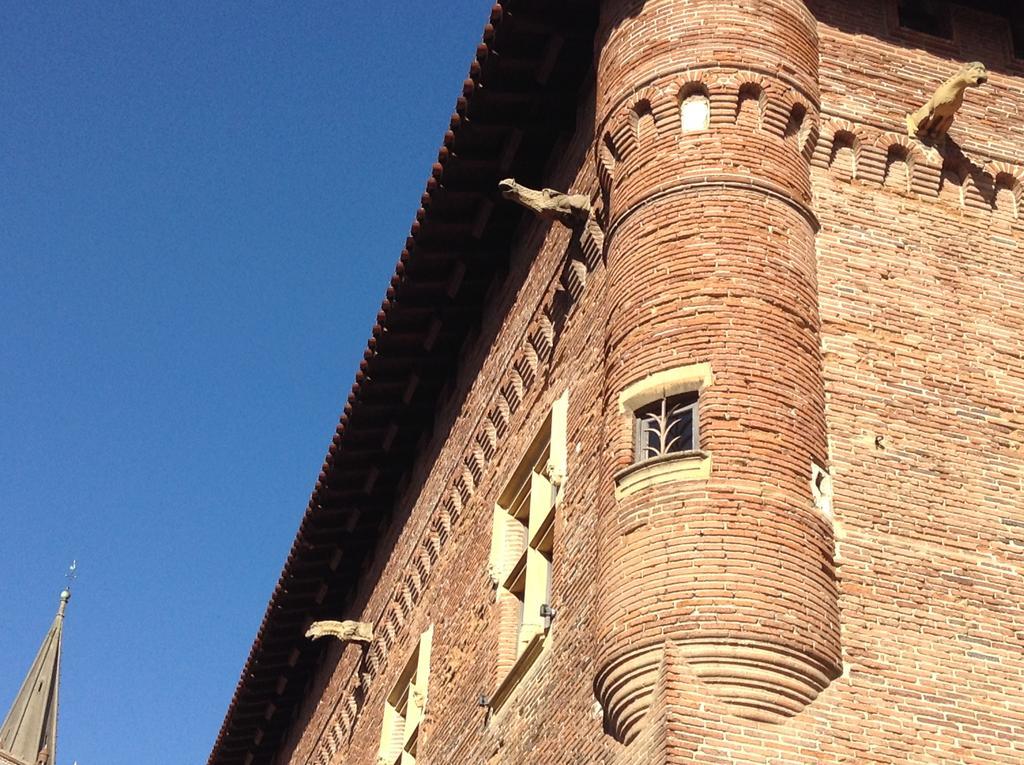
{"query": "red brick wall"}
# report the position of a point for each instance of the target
(710, 248)
(918, 275)
(451, 511)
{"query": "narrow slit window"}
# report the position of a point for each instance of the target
(694, 109)
(666, 426)
(522, 552)
(527, 506)
(404, 707)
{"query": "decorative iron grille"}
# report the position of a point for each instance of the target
(666, 426)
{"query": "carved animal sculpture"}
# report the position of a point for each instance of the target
(567, 209)
(346, 632)
(932, 120)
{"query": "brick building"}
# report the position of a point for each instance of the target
(717, 457)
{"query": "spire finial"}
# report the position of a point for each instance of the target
(71, 576)
(29, 732)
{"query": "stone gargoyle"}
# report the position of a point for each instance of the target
(568, 209)
(346, 632)
(932, 120)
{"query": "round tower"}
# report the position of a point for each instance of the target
(707, 114)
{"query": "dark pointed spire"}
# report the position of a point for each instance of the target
(29, 732)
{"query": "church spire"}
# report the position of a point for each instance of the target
(29, 732)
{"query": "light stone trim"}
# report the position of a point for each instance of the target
(558, 455)
(668, 468)
(398, 729)
(671, 382)
(524, 662)
(543, 469)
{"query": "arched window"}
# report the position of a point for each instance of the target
(643, 122)
(897, 168)
(844, 157)
(794, 127)
(1006, 199)
(952, 188)
(694, 108)
(748, 110)
(609, 154)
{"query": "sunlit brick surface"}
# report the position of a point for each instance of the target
(710, 248)
(859, 297)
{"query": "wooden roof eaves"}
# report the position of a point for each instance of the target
(271, 657)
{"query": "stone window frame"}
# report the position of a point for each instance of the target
(688, 465)
(404, 707)
(523, 552)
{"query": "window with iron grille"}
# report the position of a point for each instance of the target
(666, 426)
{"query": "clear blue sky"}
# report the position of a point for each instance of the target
(200, 206)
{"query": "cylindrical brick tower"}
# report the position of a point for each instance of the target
(706, 114)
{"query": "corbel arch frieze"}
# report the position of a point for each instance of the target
(885, 153)
(622, 134)
(1008, 188)
(793, 117)
(838, 148)
(607, 156)
(752, 91)
(652, 101)
(952, 181)
(807, 137)
(946, 175)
